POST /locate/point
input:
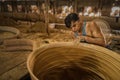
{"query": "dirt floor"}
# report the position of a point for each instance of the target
(13, 64)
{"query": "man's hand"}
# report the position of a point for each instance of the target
(81, 38)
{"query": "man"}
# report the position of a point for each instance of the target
(86, 31)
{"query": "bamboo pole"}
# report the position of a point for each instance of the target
(47, 16)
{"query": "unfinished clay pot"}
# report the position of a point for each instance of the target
(8, 33)
(67, 61)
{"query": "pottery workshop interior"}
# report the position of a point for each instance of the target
(59, 39)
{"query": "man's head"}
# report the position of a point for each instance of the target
(72, 21)
(72, 17)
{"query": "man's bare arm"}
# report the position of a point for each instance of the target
(98, 41)
(97, 37)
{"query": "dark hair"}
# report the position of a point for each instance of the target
(69, 18)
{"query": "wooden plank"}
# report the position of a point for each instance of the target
(15, 73)
(13, 62)
(6, 56)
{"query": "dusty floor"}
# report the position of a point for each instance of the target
(13, 64)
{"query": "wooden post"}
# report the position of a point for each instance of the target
(38, 4)
(14, 6)
(54, 7)
(0, 6)
(75, 6)
(101, 4)
(47, 16)
(3, 6)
